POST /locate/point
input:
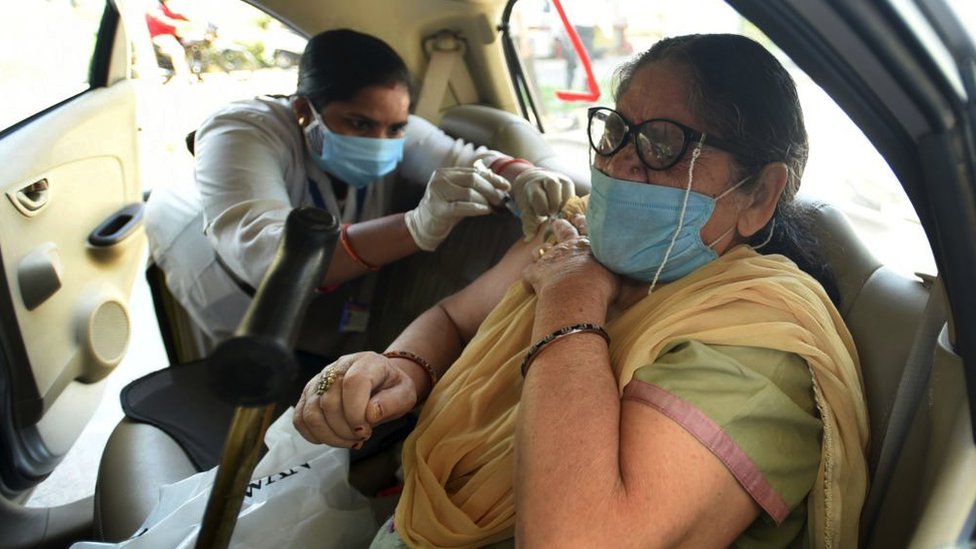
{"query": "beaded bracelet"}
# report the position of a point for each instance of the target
(416, 359)
(347, 246)
(507, 163)
(562, 332)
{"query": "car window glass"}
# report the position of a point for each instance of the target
(844, 168)
(231, 51)
(38, 70)
(965, 10)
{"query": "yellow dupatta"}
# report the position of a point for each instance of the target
(459, 462)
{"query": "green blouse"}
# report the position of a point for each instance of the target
(754, 409)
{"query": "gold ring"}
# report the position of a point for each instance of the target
(327, 380)
(542, 252)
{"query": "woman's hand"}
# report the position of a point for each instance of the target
(565, 267)
(341, 405)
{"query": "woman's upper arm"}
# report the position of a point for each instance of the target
(241, 174)
(243, 155)
(469, 307)
(679, 492)
(698, 427)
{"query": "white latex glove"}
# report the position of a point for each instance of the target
(453, 194)
(540, 194)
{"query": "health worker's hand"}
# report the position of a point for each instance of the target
(453, 194)
(540, 195)
(341, 405)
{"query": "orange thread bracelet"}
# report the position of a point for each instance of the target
(416, 359)
(347, 246)
(508, 163)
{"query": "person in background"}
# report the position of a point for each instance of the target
(165, 26)
(666, 369)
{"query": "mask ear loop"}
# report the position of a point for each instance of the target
(314, 134)
(681, 219)
(314, 130)
(725, 193)
(769, 237)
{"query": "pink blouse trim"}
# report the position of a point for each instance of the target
(710, 434)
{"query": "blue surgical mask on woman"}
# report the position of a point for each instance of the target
(632, 225)
(355, 160)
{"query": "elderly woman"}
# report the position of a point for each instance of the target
(659, 372)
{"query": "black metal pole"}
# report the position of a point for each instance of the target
(255, 366)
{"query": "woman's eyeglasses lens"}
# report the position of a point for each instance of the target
(660, 143)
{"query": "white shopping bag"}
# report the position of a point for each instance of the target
(299, 496)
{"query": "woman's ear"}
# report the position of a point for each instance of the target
(302, 109)
(765, 196)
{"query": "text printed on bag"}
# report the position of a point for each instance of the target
(271, 479)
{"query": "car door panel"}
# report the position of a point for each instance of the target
(69, 173)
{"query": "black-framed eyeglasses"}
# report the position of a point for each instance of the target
(660, 142)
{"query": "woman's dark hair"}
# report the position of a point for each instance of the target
(744, 95)
(337, 64)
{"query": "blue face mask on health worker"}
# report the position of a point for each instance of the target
(358, 161)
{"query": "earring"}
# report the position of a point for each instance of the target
(303, 111)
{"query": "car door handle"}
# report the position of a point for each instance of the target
(30, 198)
(117, 227)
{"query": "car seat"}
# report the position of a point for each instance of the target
(885, 312)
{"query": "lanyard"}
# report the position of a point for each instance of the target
(319, 200)
(355, 311)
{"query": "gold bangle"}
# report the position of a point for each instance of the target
(347, 246)
(416, 359)
(562, 332)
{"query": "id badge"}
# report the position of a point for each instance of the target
(355, 317)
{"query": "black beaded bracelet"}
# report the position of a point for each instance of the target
(574, 329)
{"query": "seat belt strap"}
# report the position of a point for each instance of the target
(911, 388)
(445, 68)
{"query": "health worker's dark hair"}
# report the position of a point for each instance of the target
(337, 64)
